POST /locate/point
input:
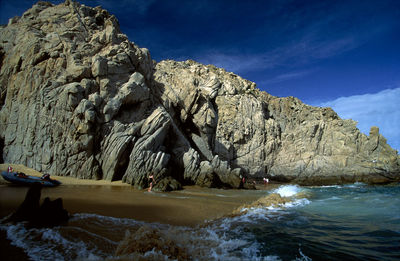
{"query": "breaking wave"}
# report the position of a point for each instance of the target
(288, 223)
(96, 237)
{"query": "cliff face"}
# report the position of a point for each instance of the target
(79, 99)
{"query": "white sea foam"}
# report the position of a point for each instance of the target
(297, 203)
(303, 257)
(88, 237)
(355, 185)
(58, 243)
(95, 237)
(47, 244)
(327, 186)
(288, 190)
(266, 209)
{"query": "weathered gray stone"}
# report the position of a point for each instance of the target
(167, 184)
(99, 66)
(263, 135)
(116, 147)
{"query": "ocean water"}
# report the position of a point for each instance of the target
(351, 222)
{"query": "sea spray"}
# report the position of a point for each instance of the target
(288, 190)
(154, 242)
(149, 239)
(284, 196)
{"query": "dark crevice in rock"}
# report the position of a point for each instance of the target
(100, 20)
(266, 111)
(40, 58)
(216, 182)
(18, 68)
(189, 127)
(194, 146)
(174, 165)
(129, 113)
(96, 151)
(2, 55)
(123, 163)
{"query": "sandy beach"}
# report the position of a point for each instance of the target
(188, 207)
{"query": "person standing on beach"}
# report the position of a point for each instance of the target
(151, 180)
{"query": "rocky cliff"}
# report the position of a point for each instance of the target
(79, 99)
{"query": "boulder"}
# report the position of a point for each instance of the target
(167, 184)
(49, 214)
(29, 207)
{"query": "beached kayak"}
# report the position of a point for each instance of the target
(23, 179)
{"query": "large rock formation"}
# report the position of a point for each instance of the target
(79, 99)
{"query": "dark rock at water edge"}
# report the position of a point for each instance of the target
(49, 214)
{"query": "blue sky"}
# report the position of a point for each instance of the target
(326, 53)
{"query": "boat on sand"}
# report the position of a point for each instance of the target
(23, 179)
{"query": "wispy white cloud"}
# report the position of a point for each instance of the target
(237, 63)
(286, 77)
(378, 109)
(304, 51)
(324, 35)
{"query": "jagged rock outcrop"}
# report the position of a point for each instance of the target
(263, 135)
(79, 99)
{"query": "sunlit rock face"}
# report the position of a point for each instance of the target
(79, 99)
(263, 135)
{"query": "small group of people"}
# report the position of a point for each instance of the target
(19, 174)
(46, 177)
(265, 181)
(23, 175)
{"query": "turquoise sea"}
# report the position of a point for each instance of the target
(349, 222)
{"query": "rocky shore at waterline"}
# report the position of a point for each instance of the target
(79, 99)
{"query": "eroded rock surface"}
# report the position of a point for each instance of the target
(79, 99)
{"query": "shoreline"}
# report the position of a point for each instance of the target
(188, 207)
(192, 206)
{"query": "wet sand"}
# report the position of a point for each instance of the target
(188, 207)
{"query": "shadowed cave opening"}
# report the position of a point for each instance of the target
(128, 113)
(175, 168)
(123, 163)
(188, 128)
